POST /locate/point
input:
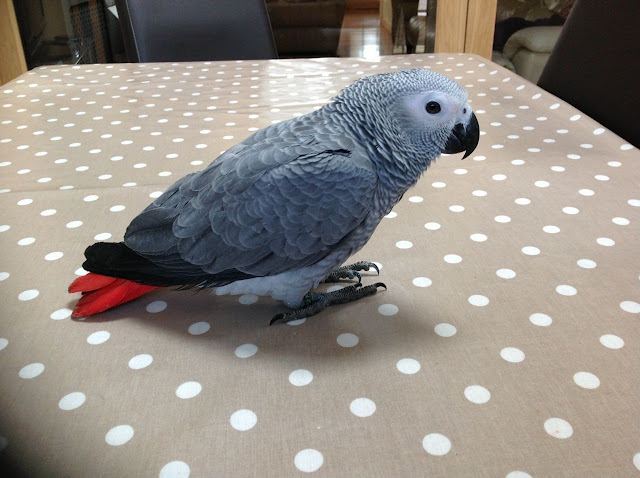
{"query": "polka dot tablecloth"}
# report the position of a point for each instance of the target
(507, 344)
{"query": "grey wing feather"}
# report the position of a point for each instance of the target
(268, 205)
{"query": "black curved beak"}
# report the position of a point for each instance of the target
(464, 138)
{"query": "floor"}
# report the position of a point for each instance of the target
(363, 36)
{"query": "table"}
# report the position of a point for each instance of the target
(507, 345)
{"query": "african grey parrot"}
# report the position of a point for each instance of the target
(279, 212)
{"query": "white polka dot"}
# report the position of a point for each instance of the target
(452, 258)
(300, 377)
(557, 169)
(119, 435)
(117, 208)
(634, 202)
(188, 390)
(605, 241)
(620, 221)
(460, 171)
(542, 184)
(27, 241)
(3, 343)
(626, 147)
(570, 210)
(391, 215)
(28, 294)
(48, 212)
(445, 330)
(404, 244)
(601, 177)
(243, 420)
(614, 164)
(61, 314)
(612, 341)
(90, 198)
(518, 474)
(175, 469)
(630, 306)
(436, 444)
(297, 322)
(479, 193)
(4, 276)
(478, 300)
(72, 401)
(478, 237)
(347, 340)
(98, 338)
(456, 208)
(24, 202)
(53, 256)
(505, 273)
(308, 460)
(477, 394)
(598, 131)
(416, 199)
(586, 380)
(199, 328)
(573, 156)
(517, 162)
(432, 226)
(80, 272)
(31, 370)
(438, 184)
(156, 306)
(587, 264)
(408, 366)
(499, 177)
(248, 299)
(388, 309)
(512, 354)
(4, 228)
(542, 320)
(586, 192)
(502, 219)
(103, 236)
(422, 282)
(551, 229)
(140, 361)
(74, 224)
(246, 350)
(362, 407)
(566, 290)
(530, 250)
(522, 201)
(558, 428)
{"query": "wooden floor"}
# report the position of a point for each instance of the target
(363, 36)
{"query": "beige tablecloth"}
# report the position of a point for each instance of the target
(507, 345)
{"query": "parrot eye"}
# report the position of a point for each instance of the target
(433, 108)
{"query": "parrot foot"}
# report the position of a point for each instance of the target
(318, 301)
(351, 271)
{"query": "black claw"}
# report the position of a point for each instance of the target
(276, 319)
(380, 284)
(375, 267)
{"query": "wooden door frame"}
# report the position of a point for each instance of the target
(465, 26)
(12, 61)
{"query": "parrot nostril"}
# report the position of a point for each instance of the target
(464, 111)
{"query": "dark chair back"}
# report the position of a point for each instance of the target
(194, 30)
(595, 64)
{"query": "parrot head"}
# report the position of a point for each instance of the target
(419, 113)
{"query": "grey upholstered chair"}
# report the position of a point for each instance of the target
(595, 64)
(192, 30)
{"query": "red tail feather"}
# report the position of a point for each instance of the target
(102, 292)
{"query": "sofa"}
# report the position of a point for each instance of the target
(527, 50)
